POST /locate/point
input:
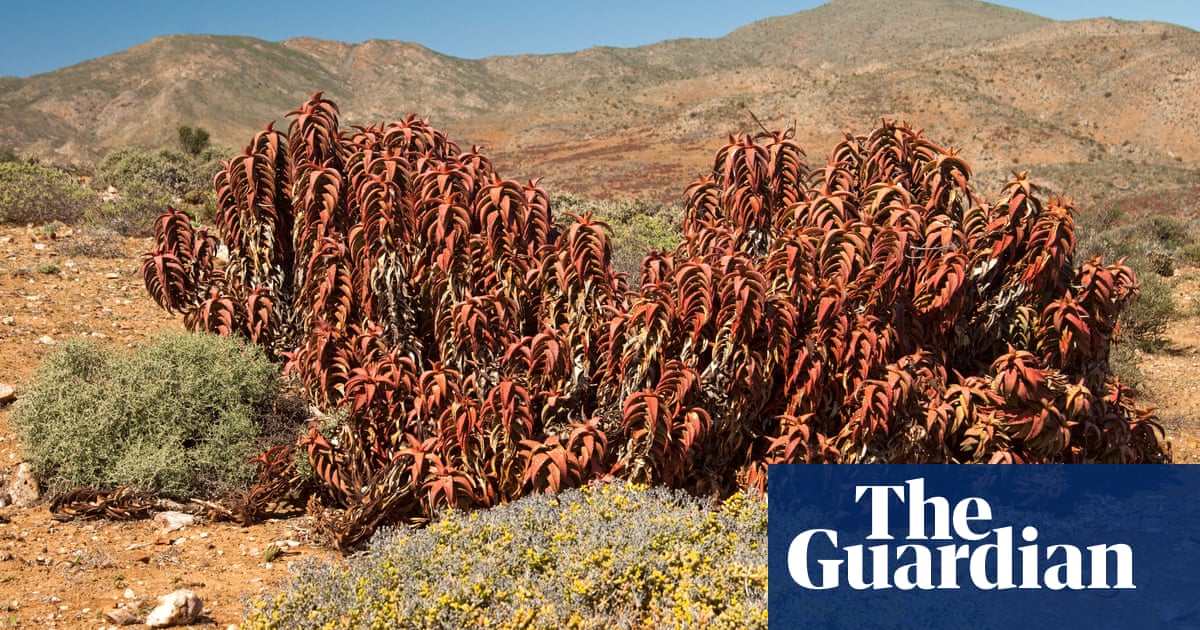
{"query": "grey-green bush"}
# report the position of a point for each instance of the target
(134, 213)
(605, 556)
(163, 171)
(637, 227)
(32, 193)
(180, 415)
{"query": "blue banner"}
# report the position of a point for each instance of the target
(1040, 546)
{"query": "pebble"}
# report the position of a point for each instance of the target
(46, 340)
(122, 616)
(23, 487)
(175, 609)
(112, 276)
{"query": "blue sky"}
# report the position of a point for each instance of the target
(38, 37)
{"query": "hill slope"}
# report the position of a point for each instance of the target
(1013, 88)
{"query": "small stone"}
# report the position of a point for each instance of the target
(8, 320)
(47, 340)
(129, 594)
(7, 394)
(175, 609)
(23, 488)
(122, 616)
(112, 276)
(170, 521)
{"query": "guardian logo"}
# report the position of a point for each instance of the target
(981, 546)
(985, 557)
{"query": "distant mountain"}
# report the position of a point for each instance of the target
(1014, 89)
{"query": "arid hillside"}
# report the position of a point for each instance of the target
(1011, 88)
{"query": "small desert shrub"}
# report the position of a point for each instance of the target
(1189, 254)
(1151, 247)
(605, 556)
(1161, 263)
(1168, 233)
(92, 241)
(36, 194)
(134, 212)
(1144, 319)
(174, 173)
(637, 227)
(179, 415)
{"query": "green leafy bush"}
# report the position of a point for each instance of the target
(637, 227)
(1190, 253)
(175, 174)
(193, 140)
(604, 556)
(179, 415)
(134, 212)
(32, 193)
(1144, 320)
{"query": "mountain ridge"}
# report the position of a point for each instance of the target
(1014, 89)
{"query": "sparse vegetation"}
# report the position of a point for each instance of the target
(35, 194)
(180, 416)
(637, 227)
(146, 182)
(193, 140)
(133, 213)
(163, 172)
(1152, 246)
(604, 556)
(93, 241)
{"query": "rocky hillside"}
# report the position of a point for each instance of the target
(1015, 90)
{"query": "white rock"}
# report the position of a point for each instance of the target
(7, 394)
(23, 488)
(47, 340)
(175, 609)
(170, 521)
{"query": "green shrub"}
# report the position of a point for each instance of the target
(637, 227)
(1151, 247)
(1167, 232)
(133, 214)
(1189, 254)
(179, 415)
(33, 193)
(193, 140)
(163, 172)
(605, 556)
(1145, 318)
